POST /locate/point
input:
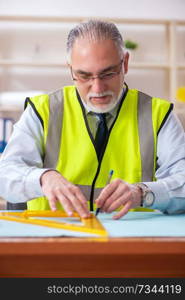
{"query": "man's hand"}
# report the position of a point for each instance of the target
(56, 188)
(119, 194)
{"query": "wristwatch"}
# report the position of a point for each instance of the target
(148, 196)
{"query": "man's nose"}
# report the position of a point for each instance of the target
(97, 85)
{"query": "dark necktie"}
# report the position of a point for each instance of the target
(101, 134)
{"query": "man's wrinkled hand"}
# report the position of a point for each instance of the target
(57, 189)
(119, 194)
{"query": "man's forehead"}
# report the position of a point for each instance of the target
(89, 53)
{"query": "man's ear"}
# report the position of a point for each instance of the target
(126, 59)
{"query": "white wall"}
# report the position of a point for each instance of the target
(154, 9)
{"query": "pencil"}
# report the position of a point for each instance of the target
(108, 181)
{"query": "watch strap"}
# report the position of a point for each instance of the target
(144, 190)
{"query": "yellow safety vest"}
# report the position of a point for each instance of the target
(70, 149)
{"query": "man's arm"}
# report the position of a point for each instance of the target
(169, 189)
(23, 177)
(21, 163)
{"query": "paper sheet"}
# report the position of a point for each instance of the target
(134, 224)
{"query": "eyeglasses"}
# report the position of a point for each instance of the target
(104, 76)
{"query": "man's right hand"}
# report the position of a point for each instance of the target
(56, 188)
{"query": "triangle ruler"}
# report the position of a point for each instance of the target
(89, 225)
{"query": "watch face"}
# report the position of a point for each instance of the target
(149, 198)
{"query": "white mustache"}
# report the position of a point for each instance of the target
(107, 93)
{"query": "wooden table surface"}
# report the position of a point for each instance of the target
(84, 257)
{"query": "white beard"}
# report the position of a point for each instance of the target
(107, 107)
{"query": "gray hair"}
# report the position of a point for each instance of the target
(95, 30)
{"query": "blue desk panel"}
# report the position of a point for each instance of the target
(134, 224)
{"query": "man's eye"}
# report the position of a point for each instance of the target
(84, 76)
(107, 75)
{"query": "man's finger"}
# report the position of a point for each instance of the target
(66, 204)
(78, 201)
(106, 193)
(123, 211)
(52, 201)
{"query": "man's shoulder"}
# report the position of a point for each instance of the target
(156, 100)
(61, 91)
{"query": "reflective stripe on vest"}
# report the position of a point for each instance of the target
(54, 130)
(146, 136)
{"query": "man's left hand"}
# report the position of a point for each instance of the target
(119, 194)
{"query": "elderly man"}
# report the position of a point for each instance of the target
(65, 144)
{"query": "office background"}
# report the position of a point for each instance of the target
(33, 37)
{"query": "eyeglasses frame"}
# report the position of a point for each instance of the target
(99, 76)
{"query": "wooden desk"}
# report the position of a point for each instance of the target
(77, 257)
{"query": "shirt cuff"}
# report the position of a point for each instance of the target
(162, 199)
(32, 186)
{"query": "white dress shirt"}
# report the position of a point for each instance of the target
(21, 164)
